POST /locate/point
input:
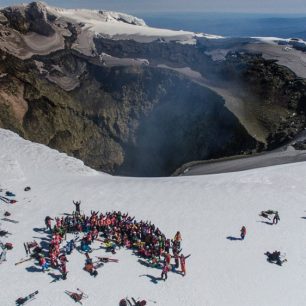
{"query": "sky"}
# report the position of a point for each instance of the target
(239, 6)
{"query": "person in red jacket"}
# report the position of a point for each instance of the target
(63, 259)
(167, 258)
(43, 263)
(165, 271)
(243, 232)
(53, 259)
(183, 264)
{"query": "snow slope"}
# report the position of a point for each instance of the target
(206, 209)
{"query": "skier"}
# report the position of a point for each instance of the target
(77, 207)
(167, 258)
(167, 245)
(276, 218)
(63, 259)
(89, 267)
(183, 263)
(165, 271)
(177, 239)
(84, 246)
(53, 259)
(243, 232)
(176, 260)
(70, 246)
(48, 223)
(43, 263)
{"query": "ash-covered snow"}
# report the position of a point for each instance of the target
(206, 209)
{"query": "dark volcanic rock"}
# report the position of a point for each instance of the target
(300, 145)
(30, 18)
(148, 122)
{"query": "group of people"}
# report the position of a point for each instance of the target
(274, 257)
(116, 230)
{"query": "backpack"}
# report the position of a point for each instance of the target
(8, 246)
(123, 302)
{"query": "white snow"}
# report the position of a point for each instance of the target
(122, 26)
(275, 40)
(271, 39)
(206, 209)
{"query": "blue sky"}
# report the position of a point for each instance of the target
(250, 6)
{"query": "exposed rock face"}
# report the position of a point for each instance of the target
(134, 108)
(146, 123)
(31, 18)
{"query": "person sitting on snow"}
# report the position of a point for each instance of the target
(275, 257)
(84, 246)
(89, 267)
(43, 263)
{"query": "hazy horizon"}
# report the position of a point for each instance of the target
(274, 7)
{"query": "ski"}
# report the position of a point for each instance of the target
(107, 259)
(4, 199)
(10, 220)
(23, 300)
(85, 296)
(7, 201)
(26, 248)
(130, 303)
(22, 261)
(98, 265)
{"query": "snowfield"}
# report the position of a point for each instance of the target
(206, 209)
(120, 26)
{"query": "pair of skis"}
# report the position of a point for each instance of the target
(7, 201)
(77, 296)
(128, 302)
(29, 245)
(32, 256)
(107, 259)
(28, 298)
(10, 220)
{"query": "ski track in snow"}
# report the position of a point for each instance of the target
(206, 209)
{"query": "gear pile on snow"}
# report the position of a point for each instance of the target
(23, 300)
